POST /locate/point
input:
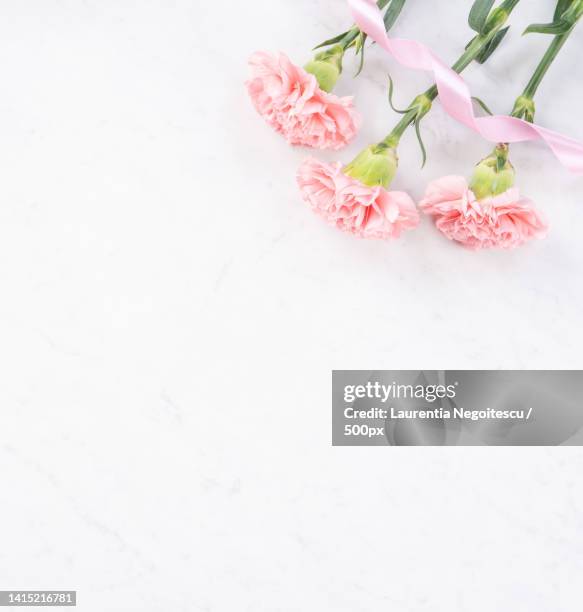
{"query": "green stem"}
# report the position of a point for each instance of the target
(545, 64)
(421, 105)
(524, 105)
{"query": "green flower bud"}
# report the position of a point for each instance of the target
(327, 67)
(524, 108)
(376, 165)
(495, 20)
(493, 175)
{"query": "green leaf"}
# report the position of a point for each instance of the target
(573, 13)
(479, 14)
(562, 6)
(391, 87)
(360, 52)
(482, 104)
(332, 41)
(393, 13)
(495, 42)
(423, 150)
(555, 28)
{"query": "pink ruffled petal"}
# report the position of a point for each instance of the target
(351, 206)
(291, 101)
(505, 221)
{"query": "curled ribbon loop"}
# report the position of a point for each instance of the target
(455, 95)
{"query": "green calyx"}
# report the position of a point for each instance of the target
(327, 67)
(493, 175)
(524, 108)
(374, 166)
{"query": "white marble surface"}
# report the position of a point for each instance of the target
(171, 312)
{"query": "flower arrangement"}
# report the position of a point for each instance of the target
(485, 212)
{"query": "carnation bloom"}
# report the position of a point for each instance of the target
(505, 220)
(352, 206)
(291, 100)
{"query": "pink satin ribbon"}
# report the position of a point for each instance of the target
(455, 95)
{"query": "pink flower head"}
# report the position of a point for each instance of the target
(291, 101)
(503, 221)
(352, 206)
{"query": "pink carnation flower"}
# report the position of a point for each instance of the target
(504, 221)
(353, 207)
(291, 102)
